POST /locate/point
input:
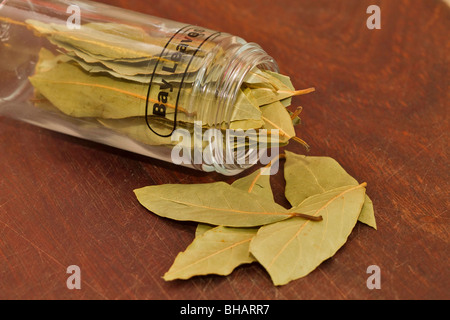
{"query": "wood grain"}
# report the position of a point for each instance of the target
(380, 109)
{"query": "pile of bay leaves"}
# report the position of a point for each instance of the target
(101, 72)
(241, 223)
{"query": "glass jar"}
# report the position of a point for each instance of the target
(125, 79)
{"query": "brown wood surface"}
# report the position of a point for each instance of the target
(380, 109)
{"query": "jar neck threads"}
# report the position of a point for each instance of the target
(231, 64)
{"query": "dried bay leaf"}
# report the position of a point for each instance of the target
(284, 81)
(307, 176)
(266, 96)
(255, 183)
(101, 68)
(244, 109)
(122, 30)
(213, 203)
(293, 248)
(268, 87)
(367, 215)
(129, 69)
(47, 60)
(276, 116)
(286, 102)
(81, 95)
(257, 77)
(90, 38)
(216, 251)
(137, 129)
(244, 124)
(202, 228)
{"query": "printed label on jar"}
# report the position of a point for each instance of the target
(169, 75)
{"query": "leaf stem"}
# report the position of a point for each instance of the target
(9, 20)
(101, 86)
(296, 112)
(302, 142)
(299, 92)
(267, 167)
(307, 216)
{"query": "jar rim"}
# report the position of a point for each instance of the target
(240, 62)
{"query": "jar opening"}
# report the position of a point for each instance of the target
(240, 62)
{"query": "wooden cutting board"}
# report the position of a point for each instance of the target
(380, 109)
